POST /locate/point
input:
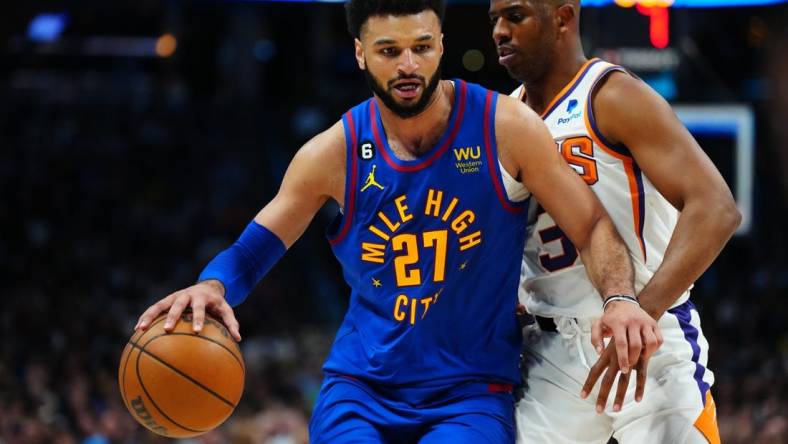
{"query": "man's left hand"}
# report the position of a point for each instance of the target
(608, 364)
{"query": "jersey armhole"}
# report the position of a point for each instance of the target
(491, 150)
(338, 228)
(616, 150)
(518, 93)
(621, 152)
(515, 191)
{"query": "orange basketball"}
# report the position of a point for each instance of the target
(181, 384)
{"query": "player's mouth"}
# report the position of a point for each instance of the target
(407, 89)
(506, 55)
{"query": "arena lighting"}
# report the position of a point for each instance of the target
(659, 18)
(165, 45)
(655, 10)
(592, 3)
(47, 27)
(645, 3)
(683, 3)
(659, 23)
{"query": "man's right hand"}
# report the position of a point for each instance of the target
(205, 296)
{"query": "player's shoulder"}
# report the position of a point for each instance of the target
(320, 164)
(627, 109)
(326, 148)
(622, 91)
(516, 123)
(516, 94)
(512, 113)
(508, 110)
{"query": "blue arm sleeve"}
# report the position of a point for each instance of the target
(240, 267)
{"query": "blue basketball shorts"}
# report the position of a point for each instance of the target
(351, 411)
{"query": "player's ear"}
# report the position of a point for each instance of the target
(564, 16)
(440, 45)
(360, 55)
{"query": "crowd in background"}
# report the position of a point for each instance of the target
(117, 188)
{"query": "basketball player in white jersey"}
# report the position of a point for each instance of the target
(670, 205)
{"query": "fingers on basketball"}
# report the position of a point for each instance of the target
(181, 384)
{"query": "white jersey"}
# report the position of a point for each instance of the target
(553, 280)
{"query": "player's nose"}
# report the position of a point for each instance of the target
(407, 62)
(501, 32)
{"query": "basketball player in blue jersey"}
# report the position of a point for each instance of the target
(430, 240)
(671, 207)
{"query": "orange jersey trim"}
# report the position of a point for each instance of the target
(558, 97)
(633, 173)
(707, 421)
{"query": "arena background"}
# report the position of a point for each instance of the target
(138, 139)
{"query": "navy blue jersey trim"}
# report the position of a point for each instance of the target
(576, 81)
(619, 148)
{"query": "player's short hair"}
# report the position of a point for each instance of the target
(359, 11)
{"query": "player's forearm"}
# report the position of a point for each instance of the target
(607, 260)
(240, 267)
(701, 232)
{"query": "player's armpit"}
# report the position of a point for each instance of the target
(316, 174)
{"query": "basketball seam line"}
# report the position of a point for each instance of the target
(176, 370)
(125, 365)
(128, 358)
(142, 385)
(149, 329)
(240, 362)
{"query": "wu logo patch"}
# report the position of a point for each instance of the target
(467, 153)
(371, 182)
(468, 159)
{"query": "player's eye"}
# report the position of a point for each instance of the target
(493, 20)
(389, 51)
(515, 17)
(421, 48)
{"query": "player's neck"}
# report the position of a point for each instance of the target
(539, 94)
(409, 138)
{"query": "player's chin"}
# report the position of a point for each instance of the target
(410, 108)
(514, 71)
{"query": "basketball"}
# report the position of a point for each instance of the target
(181, 384)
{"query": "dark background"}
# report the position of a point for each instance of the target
(122, 173)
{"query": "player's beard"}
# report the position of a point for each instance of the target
(387, 96)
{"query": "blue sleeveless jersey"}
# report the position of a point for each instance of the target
(431, 249)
